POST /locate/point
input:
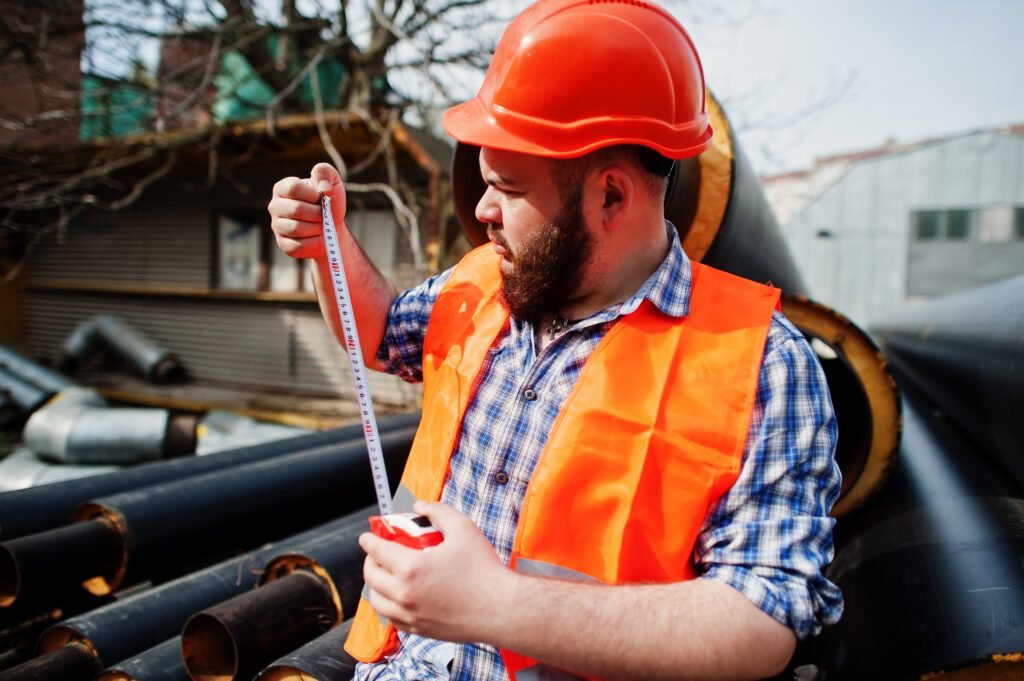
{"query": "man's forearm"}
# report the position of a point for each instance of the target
(372, 295)
(693, 630)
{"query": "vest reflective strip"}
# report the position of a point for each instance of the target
(540, 568)
(544, 673)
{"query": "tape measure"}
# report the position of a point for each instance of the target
(355, 356)
(406, 528)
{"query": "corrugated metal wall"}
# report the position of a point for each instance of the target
(159, 245)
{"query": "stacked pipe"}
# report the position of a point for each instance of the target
(302, 594)
(146, 534)
(159, 540)
(718, 207)
(112, 634)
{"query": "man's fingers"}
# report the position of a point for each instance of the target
(294, 188)
(281, 207)
(442, 516)
(325, 177)
(390, 555)
(383, 582)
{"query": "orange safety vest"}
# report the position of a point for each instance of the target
(650, 437)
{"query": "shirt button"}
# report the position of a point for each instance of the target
(529, 395)
(501, 477)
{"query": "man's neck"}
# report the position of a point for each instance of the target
(618, 269)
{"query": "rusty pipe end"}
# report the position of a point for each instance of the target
(209, 649)
(108, 580)
(181, 437)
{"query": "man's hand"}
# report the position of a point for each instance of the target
(295, 211)
(452, 591)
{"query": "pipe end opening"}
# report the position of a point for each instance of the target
(208, 649)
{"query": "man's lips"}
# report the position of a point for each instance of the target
(500, 245)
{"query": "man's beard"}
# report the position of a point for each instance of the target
(547, 269)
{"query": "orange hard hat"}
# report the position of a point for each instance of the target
(572, 76)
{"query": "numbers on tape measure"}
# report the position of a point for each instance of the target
(355, 356)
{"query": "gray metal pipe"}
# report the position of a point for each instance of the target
(27, 396)
(78, 427)
(27, 370)
(149, 359)
(22, 469)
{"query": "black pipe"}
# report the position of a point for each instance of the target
(32, 572)
(239, 637)
(234, 640)
(69, 662)
(931, 570)
(162, 662)
(112, 631)
(322, 659)
(32, 510)
(966, 352)
(238, 508)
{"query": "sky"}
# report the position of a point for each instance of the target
(803, 78)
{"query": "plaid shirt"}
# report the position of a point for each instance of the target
(769, 536)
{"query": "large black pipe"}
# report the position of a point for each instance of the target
(112, 631)
(237, 509)
(322, 659)
(966, 351)
(304, 592)
(70, 662)
(40, 508)
(31, 571)
(931, 569)
(162, 662)
(236, 639)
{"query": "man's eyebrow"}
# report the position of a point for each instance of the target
(494, 179)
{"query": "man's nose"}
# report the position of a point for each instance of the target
(487, 209)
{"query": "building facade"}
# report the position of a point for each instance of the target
(901, 224)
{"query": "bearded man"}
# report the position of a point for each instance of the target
(630, 455)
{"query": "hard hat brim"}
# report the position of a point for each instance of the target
(473, 123)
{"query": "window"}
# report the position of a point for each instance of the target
(928, 225)
(958, 225)
(247, 259)
(996, 225)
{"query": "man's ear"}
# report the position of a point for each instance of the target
(618, 190)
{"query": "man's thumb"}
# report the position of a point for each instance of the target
(324, 177)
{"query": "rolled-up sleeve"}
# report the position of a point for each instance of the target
(401, 350)
(770, 535)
